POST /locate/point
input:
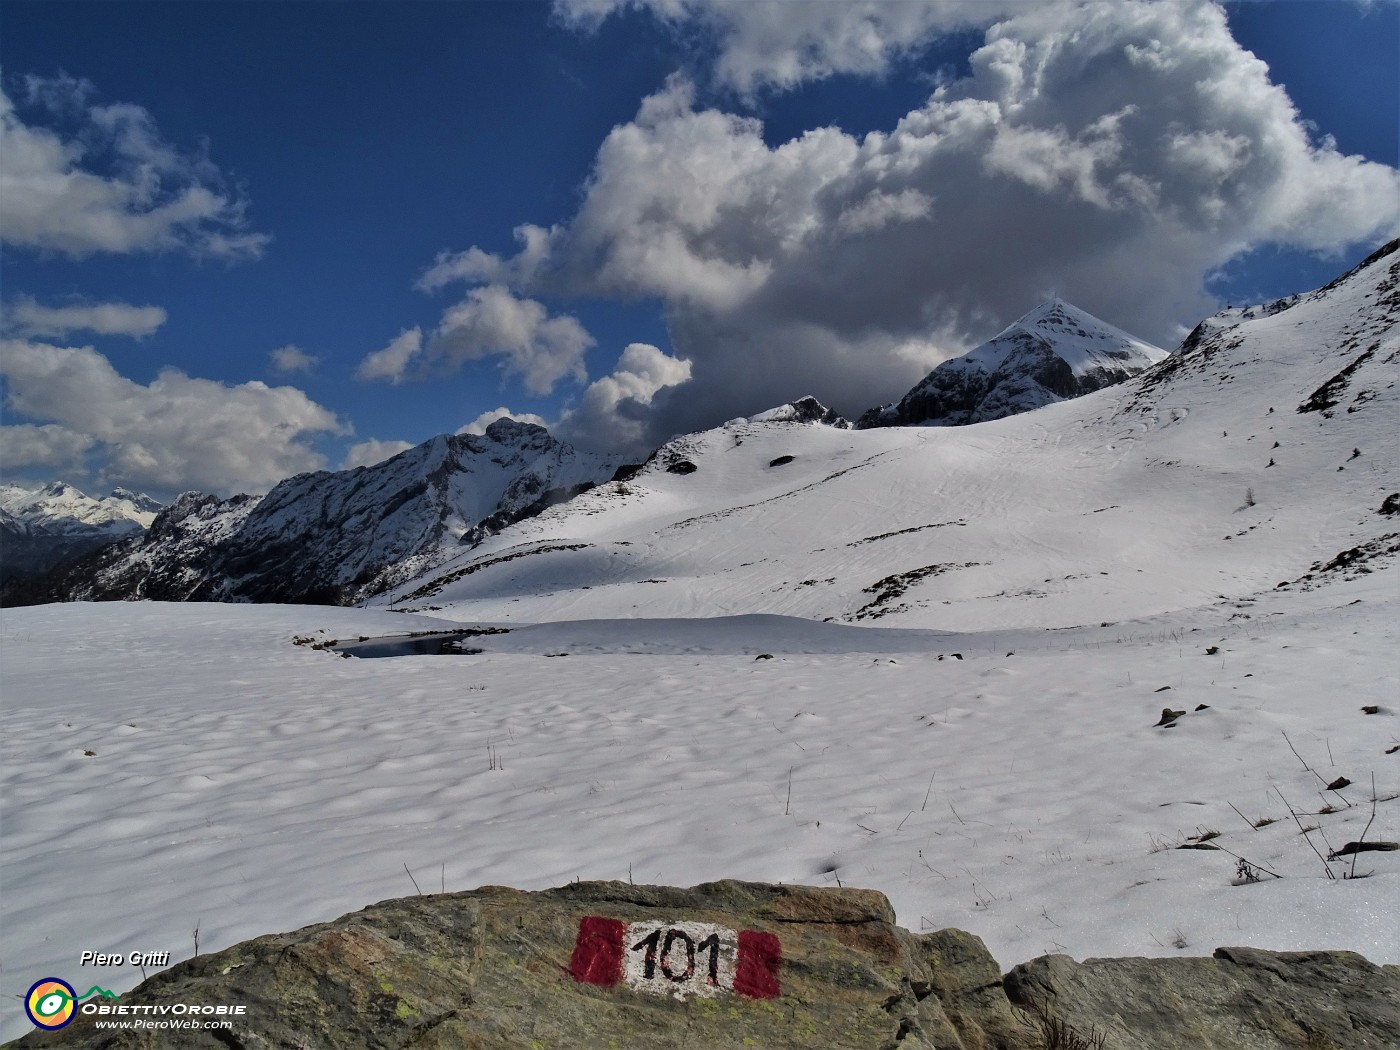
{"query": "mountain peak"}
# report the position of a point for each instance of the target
(1075, 333)
(1051, 353)
(1050, 306)
(507, 429)
(141, 502)
(60, 505)
(805, 409)
(1058, 312)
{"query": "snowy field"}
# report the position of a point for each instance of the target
(170, 768)
(745, 668)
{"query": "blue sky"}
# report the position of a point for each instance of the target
(731, 205)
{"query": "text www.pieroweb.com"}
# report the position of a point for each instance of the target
(151, 1017)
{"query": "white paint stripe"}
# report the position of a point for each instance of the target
(680, 958)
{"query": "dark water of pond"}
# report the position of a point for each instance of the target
(453, 643)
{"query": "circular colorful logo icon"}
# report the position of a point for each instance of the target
(50, 1003)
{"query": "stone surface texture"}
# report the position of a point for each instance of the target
(1241, 999)
(491, 969)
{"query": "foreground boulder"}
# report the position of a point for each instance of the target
(727, 964)
(1241, 998)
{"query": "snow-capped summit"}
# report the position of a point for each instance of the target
(45, 526)
(141, 504)
(58, 508)
(1077, 336)
(1055, 352)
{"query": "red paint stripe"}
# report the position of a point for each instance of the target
(760, 959)
(597, 955)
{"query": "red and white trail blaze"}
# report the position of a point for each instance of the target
(677, 958)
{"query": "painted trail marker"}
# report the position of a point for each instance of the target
(678, 958)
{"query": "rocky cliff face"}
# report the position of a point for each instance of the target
(335, 537)
(1053, 353)
(724, 965)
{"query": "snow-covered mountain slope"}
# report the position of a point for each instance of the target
(39, 528)
(1259, 455)
(1055, 352)
(332, 537)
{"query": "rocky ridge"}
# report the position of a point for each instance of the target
(335, 537)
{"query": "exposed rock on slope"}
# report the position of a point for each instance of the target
(332, 538)
(1053, 353)
(671, 456)
(728, 964)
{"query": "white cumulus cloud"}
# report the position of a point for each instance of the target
(391, 363)
(475, 265)
(291, 359)
(490, 322)
(368, 453)
(1113, 153)
(78, 179)
(177, 432)
(50, 446)
(29, 318)
(615, 411)
(781, 43)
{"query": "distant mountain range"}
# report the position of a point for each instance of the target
(334, 537)
(41, 528)
(1055, 352)
(441, 521)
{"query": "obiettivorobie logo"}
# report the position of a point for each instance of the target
(52, 1002)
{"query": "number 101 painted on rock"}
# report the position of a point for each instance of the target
(677, 958)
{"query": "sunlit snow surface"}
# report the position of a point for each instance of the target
(171, 768)
(243, 785)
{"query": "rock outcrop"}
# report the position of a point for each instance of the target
(727, 964)
(1241, 999)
